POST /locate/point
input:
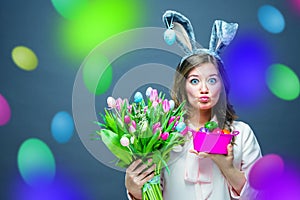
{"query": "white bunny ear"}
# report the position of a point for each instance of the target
(183, 29)
(182, 36)
(221, 36)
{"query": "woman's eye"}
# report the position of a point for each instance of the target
(212, 81)
(194, 81)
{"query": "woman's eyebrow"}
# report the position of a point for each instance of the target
(193, 75)
(213, 75)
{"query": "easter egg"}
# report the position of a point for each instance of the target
(203, 130)
(169, 36)
(211, 125)
(5, 112)
(225, 131)
(138, 97)
(180, 126)
(218, 131)
(36, 163)
(62, 127)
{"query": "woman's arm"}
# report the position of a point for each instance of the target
(234, 176)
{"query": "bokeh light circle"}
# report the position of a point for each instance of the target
(271, 19)
(36, 163)
(69, 9)
(62, 127)
(265, 171)
(283, 82)
(5, 112)
(246, 61)
(24, 58)
(96, 23)
(97, 74)
(295, 6)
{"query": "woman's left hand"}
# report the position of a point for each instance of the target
(223, 161)
(234, 176)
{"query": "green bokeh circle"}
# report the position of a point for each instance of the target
(283, 82)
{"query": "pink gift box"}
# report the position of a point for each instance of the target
(214, 143)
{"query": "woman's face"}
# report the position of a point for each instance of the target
(203, 87)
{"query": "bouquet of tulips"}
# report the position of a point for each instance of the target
(146, 128)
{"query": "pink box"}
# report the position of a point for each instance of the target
(214, 143)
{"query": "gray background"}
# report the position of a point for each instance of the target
(36, 96)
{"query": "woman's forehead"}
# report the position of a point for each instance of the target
(205, 69)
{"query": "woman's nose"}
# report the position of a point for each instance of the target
(203, 89)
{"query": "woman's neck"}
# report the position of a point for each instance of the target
(198, 119)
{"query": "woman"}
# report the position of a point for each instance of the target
(201, 81)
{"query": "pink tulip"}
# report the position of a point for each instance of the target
(145, 109)
(156, 127)
(133, 124)
(131, 129)
(154, 104)
(153, 95)
(119, 103)
(127, 119)
(171, 120)
(165, 135)
(166, 105)
(129, 108)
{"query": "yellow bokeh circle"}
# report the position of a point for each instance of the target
(24, 58)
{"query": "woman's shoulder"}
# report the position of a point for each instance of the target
(241, 126)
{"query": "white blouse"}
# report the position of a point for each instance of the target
(197, 178)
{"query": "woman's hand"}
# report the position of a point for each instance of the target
(234, 176)
(137, 174)
(223, 161)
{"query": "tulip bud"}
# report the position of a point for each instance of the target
(131, 129)
(111, 102)
(133, 124)
(165, 135)
(127, 119)
(172, 104)
(156, 127)
(148, 91)
(171, 120)
(119, 103)
(153, 95)
(166, 105)
(124, 141)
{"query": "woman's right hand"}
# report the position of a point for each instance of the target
(137, 174)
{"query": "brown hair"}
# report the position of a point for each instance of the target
(223, 109)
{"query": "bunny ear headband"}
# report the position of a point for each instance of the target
(179, 28)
